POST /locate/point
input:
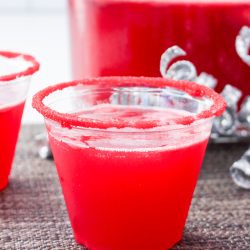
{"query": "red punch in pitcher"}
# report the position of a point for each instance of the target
(127, 37)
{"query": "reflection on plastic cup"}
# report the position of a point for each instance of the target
(15, 75)
(128, 169)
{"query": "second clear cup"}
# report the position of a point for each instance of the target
(16, 71)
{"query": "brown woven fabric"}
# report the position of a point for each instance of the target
(33, 214)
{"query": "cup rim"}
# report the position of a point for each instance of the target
(69, 120)
(26, 72)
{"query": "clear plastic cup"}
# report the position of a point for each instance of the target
(128, 152)
(16, 71)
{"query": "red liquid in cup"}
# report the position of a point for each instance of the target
(10, 120)
(128, 37)
(134, 198)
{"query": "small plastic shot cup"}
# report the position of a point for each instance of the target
(16, 71)
(128, 152)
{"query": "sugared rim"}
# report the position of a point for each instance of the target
(70, 120)
(28, 71)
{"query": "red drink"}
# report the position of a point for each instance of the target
(15, 74)
(123, 198)
(128, 152)
(10, 120)
(112, 37)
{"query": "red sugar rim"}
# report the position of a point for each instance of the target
(69, 120)
(28, 71)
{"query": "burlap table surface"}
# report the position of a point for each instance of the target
(33, 213)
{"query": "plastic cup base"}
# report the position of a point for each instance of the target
(79, 241)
